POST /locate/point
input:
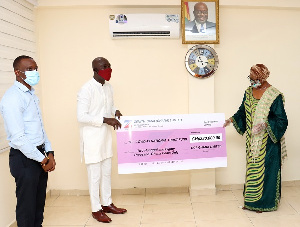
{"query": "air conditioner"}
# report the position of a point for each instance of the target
(144, 26)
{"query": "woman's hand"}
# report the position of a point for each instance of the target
(258, 128)
(227, 122)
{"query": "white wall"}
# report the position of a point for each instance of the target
(149, 77)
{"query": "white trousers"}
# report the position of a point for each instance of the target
(99, 177)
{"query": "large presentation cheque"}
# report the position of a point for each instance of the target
(158, 143)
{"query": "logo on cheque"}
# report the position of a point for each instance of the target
(127, 124)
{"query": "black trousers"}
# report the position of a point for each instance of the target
(31, 184)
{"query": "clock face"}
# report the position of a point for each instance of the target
(201, 61)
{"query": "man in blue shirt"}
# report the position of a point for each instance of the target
(31, 156)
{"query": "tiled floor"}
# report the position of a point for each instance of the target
(176, 209)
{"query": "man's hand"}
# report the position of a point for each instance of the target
(118, 114)
(50, 166)
(44, 162)
(112, 122)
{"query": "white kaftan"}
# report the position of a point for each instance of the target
(94, 102)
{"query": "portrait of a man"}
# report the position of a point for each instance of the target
(200, 22)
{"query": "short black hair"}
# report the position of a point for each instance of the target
(19, 59)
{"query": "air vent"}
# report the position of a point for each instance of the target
(141, 33)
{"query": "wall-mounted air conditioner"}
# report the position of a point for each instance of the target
(144, 25)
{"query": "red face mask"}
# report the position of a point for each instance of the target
(105, 73)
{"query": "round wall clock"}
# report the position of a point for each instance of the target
(201, 61)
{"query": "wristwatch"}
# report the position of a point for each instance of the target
(50, 152)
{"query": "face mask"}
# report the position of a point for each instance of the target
(255, 84)
(105, 74)
(32, 77)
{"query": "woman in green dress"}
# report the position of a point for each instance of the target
(262, 118)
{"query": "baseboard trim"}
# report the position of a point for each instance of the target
(127, 191)
(14, 224)
(203, 191)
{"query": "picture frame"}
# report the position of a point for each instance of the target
(200, 22)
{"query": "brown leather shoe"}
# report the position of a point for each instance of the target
(113, 209)
(101, 216)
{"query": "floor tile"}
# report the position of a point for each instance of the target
(172, 224)
(175, 210)
(294, 202)
(297, 183)
(168, 198)
(50, 200)
(277, 221)
(288, 184)
(218, 210)
(120, 200)
(220, 196)
(244, 222)
(238, 194)
(71, 201)
(112, 224)
(290, 191)
(65, 216)
(167, 213)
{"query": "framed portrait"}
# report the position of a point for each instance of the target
(200, 21)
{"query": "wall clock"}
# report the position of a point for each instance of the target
(201, 61)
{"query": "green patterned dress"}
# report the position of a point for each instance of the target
(262, 189)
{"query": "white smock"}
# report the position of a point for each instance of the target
(94, 102)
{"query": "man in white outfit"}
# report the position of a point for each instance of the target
(96, 114)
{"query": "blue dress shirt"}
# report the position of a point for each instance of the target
(23, 121)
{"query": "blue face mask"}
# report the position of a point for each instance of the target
(255, 83)
(32, 77)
